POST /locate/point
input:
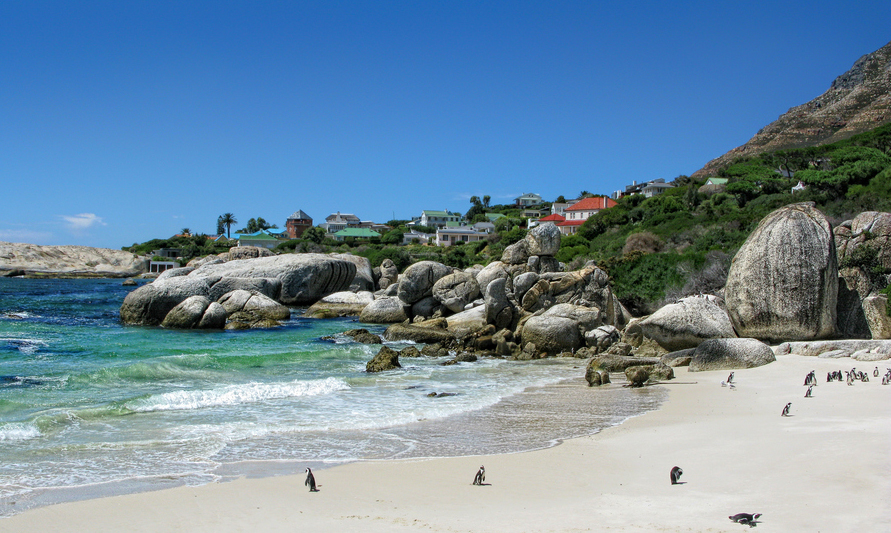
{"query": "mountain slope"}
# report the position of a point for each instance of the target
(858, 100)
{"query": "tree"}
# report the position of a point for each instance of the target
(315, 234)
(477, 209)
(185, 231)
(220, 225)
(475, 200)
(560, 200)
(227, 219)
(585, 194)
(486, 200)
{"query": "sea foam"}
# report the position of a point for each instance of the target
(235, 395)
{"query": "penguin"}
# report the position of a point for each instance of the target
(850, 378)
(829, 377)
(480, 476)
(745, 518)
(808, 393)
(875, 373)
(786, 409)
(310, 481)
(730, 377)
(676, 475)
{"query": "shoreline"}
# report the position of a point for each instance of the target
(823, 469)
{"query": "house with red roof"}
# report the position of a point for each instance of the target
(579, 212)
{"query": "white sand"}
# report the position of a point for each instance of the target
(826, 468)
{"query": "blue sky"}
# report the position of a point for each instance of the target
(126, 121)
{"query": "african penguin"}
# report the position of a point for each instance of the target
(808, 393)
(744, 518)
(310, 481)
(786, 409)
(480, 476)
(676, 475)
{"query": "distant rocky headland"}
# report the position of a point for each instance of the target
(31, 260)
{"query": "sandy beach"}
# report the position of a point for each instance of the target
(825, 468)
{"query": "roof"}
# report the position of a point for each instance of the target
(716, 181)
(357, 232)
(433, 213)
(453, 224)
(553, 218)
(299, 215)
(259, 236)
(592, 204)
(529, 195)
(494, 216)
(571, 223)
(658, 185)
(462, 230)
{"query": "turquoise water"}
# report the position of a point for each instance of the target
(86, 402)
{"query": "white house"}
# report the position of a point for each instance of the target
(438, 219)
(528, 200)
(450, 236)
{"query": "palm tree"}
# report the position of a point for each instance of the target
(486, 200)
(227, 219)
(185, 231)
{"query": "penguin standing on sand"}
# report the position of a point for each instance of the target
(480, 476)
(875, 373)
(730, 378)
(808, 393)
(676, 475)
(310, 481)
(745, 518)
(786, 409)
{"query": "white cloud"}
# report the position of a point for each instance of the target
(83, 221)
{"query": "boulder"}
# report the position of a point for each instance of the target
(389, 274)
(247, 252)
(686, 323)
(344, 303)
(305, 278)
(386, 359)
(493, 271)
(363, 336)
(455, 291)
(467, 322)
(364, 280)
(175, 272)
(618, 363)
(678, 358)
(409, 351)
(875, 310)
(637, 376)
(586, 318)
(196, 312)
(845, 347)
(515, 254)
(522, 283)
(601, 338)
(463, 357)
(543, 239)
(384, 311)
(418, 279)
(260, 305)
(552, 334)
(729, 354)
(425, 308)
(499, 310)
(148, 305)
(418, 334)
(783, 282)
(219, 286)
(592, 377)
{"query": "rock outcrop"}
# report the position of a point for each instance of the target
(386, 359)
(32, 260)
(729, 354)
(783, 282)
(384, 311)
(687, 323)
(418, 279)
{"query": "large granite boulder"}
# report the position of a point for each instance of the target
(175, 272)
(523, 282)
(729, 354)
(491, 272)
(601, 338)
(556, 332)
(418, 279)
(783, 282)
(150, 303)
(467, 322)
(196, 312)
(875, 309)
(247, 252)
(259, 304)
(455, 291)
(344, 303)
(864, 255)
(686, 323)
(418, 334)
(384, 311)
(389, 274)
(364, 280)
(270, 287)
(305, 278)
(499, 309)
(543, 239)
(515, 254)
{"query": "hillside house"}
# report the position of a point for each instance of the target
(647, 188)
(579, 212)
(528, 200)
(260, 239)
(356, 233)
(416, 237)
(438, 219)
(339, 221)
(450, 236)
(297, 223)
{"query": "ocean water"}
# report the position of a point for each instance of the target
(89, 407)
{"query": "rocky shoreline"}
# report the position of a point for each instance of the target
(67, 262)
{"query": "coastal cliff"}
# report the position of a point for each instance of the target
(31, 260)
